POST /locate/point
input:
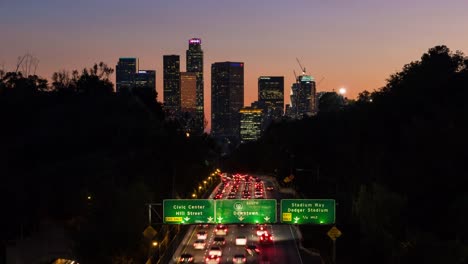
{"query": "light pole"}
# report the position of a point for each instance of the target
(157, 245)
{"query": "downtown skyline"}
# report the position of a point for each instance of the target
(354, 45)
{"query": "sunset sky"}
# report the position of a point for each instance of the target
(355, 44)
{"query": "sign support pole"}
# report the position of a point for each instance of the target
(149, 214)
(334, 251)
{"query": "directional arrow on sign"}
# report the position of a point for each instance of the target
(241, 218)
(220, 219)
(210, 219)
(186, 219)
(267, 218)
(296, 219)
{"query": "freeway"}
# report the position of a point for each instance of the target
(282, 249)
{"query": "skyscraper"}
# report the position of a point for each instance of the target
(271, 95)
(195, 64)
(188, 91)
(125, 71)
(303, 96)
(145, 84)
(250, 124)
(227, 98)
(171, 89)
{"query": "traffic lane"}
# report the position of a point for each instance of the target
(198, 254)
(283, 249)
(231, 249)
(249, 231)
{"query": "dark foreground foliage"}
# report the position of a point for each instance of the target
(80, 155)
(394, 160)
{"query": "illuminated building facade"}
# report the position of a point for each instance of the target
(303, 97)
(195, 65)
(271, 95)
(171, 81)
(227, 98)
(145, 84)
(250, 124)
(188, 91)
(125, 71)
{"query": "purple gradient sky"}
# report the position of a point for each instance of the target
(356, 44)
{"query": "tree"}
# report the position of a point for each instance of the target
(92, 81)
(19, 84)
(331, 102)
(95, 80)
(63, 82)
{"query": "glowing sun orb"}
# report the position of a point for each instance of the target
(342, 91)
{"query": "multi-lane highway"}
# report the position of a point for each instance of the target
(281, 249)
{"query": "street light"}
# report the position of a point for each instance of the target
(194, 195)
(155, 245)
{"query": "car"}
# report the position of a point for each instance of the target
(239, 259)
(270, 188)
(219, 241)
(241, 241)
(199, 244)
(261, 229)
(185, 258)
(202, 235)
(215, 250)
(252, 250)
(221, 230)
(266, 238)
(212, 259)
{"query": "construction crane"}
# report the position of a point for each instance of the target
(320, 81)
(303, 69)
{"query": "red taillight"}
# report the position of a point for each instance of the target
(207, 259)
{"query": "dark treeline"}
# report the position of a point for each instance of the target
(75, 153)
(394, 160)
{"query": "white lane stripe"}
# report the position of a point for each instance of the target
(295, 243)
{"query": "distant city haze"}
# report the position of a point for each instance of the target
(352, 44)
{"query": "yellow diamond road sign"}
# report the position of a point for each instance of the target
(149, 232)
(334, 233)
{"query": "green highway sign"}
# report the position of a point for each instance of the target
(308, 211)
(252, 211)
(186, 211)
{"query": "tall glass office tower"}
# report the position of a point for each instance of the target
(171, 80)
(125, 71)
(227, 98)
(195, 64)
